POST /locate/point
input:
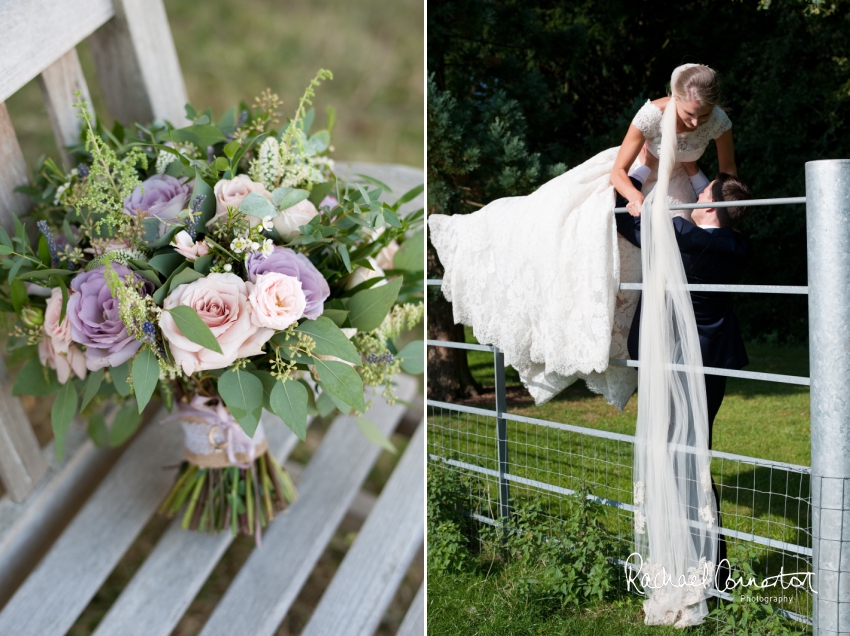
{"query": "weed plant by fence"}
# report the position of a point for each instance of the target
(793, 521)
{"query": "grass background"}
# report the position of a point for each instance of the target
(231, 51)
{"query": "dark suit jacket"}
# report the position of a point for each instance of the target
(710, 257)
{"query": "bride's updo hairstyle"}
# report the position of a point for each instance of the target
(697, 83)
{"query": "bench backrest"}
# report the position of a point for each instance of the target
(140, 77)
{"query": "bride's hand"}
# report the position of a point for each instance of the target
(634, 207)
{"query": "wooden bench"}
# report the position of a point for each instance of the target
(64, 527)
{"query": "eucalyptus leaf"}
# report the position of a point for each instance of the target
(160, 294)
(184, 277)
(411, 256)
(324, 404)
(410, 195)
(320, 191)
(18, 294)
(257, 205)
(190, 325)
(242, 392)
(63, 411)
(34, 379)
(120, 378)
(97, 430)
(201, 135)
(145, 376)
(126, 423)
(343, 381)
(368, 308)
(330, 341)
(413, 357)
(202, 188)
(289, 402)
(202, 264)
(373, 434)
(44, 274)
(285, 198)
(93, 381)
(338, 316)
(166, 262)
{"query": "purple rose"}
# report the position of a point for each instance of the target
(286, 261)
(164, 198)
(95, 321)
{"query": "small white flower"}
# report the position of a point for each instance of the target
(74, 172)
(266, 224)
(240, 244)
(639, 492)
(228, 267)
(640, 522)
(59, 192)
(705, 515)
(255, 246)
(705, 479)
(267, 248)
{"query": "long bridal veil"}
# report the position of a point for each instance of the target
(675, 510)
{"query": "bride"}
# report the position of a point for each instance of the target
(538, 276)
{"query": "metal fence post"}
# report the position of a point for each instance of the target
(828, 247)
(501, 433)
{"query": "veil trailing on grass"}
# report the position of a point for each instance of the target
(675, 509)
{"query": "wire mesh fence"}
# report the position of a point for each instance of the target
(764, 504)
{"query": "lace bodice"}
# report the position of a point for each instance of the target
(691, 144)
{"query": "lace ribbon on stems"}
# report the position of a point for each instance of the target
(675, 533)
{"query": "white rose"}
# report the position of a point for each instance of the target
(287, 221)
(278, 301)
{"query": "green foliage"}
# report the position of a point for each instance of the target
(563, 560)
(450, 531)
(242, 392)
(745, 614)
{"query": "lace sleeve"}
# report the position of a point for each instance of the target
(648, 120)
(722, 123)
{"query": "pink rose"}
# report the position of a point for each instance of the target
(185, 245)
(230, 193)
(221, 301)
(56, 350)
(278, 301)
(287, 221)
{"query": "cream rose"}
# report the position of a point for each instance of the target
(56, 350)
(287, 221)
(231, 193)
(184, 244)
(385, 257)
(277, 300)
(362, 274)
(221, 301)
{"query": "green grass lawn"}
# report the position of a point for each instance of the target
(757, 419)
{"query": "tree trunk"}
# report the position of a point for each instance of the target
(449, 377)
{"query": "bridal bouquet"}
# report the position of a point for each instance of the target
(225, 268)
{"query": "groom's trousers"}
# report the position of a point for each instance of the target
(715, 389)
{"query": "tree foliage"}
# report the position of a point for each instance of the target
(519, 91)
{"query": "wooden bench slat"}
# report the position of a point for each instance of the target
(60, 588)
(269, 582)
(21, 463)
(137, 64)
(366, 581)
(167, 582)
(58, 83)
(38, 32)
(27, 529)
(414, 620)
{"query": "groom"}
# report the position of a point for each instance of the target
(713, 252)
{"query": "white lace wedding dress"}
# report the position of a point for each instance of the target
(538, 275)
